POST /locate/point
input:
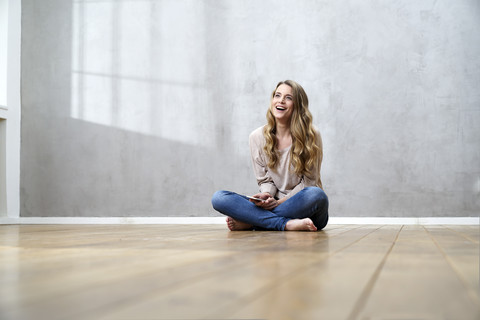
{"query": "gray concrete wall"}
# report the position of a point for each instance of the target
(143, 108)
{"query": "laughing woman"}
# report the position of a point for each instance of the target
(286, 155)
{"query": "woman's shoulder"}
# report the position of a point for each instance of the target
(257, 134)
(256, 138)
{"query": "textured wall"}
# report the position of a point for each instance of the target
(143, 108)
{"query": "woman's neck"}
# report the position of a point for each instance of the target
(282, 131)
(284, 137)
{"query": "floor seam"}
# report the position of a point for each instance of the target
(472, 294)
(362, 300)
(250, 298)
(462, 235)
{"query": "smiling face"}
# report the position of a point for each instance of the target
(282, 103)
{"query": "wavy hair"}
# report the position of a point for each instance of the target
(306, 151)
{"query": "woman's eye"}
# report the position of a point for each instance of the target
(289, 98)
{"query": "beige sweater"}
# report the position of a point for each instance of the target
(281, 181)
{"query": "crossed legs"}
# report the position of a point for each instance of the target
(305, 211)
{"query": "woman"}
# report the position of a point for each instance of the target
(286, 155)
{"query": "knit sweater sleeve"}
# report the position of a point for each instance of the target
(259, 162)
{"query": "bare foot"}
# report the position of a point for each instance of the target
(300, 225)
(235, 225)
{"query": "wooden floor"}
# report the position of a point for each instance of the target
(206, 272)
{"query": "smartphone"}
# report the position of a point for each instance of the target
(256, 199)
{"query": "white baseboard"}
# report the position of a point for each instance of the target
(113, 220)
(406, 220)
(221, 220)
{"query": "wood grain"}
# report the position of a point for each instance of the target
(207, 272)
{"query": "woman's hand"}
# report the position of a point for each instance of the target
(268, 202)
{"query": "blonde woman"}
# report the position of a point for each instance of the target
(286, 156)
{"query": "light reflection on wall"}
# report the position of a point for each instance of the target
(138, 67)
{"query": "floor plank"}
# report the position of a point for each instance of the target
(462, 255)
(227, 290)
(330, 288)
(471, 233)
(417, 282)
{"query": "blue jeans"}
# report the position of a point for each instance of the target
(311, 202)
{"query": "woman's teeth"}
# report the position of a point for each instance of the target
(280, 108)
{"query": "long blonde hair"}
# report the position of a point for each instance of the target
(306, 150)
